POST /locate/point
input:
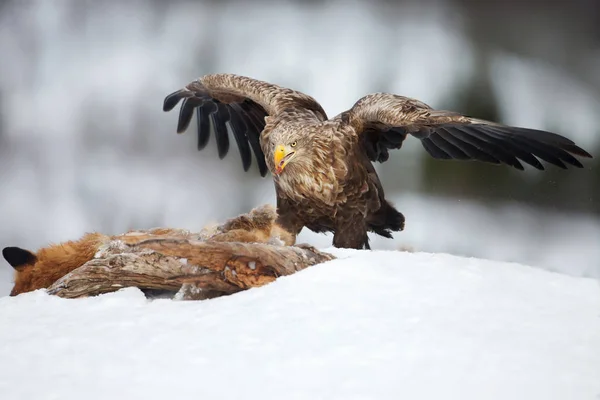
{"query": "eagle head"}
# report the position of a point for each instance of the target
(289, 149)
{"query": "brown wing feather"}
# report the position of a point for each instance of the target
(240, 102)
(383, 121)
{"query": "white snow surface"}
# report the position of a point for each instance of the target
(369, 325)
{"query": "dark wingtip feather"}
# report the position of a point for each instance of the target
(553, 140)
(239, 130)
(577, 151)
(172, 100)
(254, 118)
(262, 167)
(550, 138)
(478, 138)
(203, 125)
(218, 119)
(185, 115)
(527, 144)
(213, 115)
(246, 163)
(493, 137)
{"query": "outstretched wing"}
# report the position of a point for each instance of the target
(384, 120)
(240, 102)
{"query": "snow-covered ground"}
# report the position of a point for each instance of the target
(371, 325)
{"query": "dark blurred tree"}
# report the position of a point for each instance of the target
(562, 33)
(573, 189)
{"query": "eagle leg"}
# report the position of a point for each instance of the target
(351, 237)
(287, 226)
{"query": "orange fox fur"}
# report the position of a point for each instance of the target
(53, 262)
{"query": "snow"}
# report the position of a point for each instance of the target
(369, 325)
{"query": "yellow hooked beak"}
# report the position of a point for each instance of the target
(283, 154)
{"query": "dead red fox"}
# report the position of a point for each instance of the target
(40, 270)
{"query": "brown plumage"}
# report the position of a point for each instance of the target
(322, 168)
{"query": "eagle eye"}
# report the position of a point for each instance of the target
(294, 144)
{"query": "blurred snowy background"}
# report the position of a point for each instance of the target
(85, 146)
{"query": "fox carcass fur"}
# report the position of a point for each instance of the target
(41, 269)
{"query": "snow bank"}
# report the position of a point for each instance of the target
(380, 325)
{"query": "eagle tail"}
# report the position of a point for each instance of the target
(386, 220)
